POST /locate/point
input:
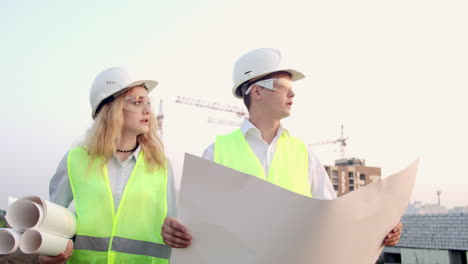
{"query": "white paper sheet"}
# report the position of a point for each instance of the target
(238, 218)
(9, 240)
(36, 242)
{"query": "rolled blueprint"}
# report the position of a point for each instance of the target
(11, 200)
(9, 240)
(24, 214)
(33, 212)
(36, 242)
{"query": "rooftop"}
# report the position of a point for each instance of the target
(435, 231)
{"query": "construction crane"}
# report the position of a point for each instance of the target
(341, 142)
(215, 106)
(439, 192)
(242, 113)
(224, 122)
(212, 105)
(160, 118)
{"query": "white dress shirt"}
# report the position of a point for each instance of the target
(321, 186)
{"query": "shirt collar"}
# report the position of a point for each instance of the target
(136, 153)
(248, 127)
(133, 156)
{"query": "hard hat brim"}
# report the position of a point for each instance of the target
(149, 84)
(295, 76)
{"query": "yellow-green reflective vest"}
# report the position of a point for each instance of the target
(130, 235)
(289, 168)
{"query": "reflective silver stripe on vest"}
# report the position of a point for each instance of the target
(131, 246)
(91, 243)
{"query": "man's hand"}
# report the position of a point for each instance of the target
(175, 234)
(60, 258)
(394, 236)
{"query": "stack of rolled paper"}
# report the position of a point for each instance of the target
(38, 227)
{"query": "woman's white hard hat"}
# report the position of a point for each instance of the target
(256, 64)
(112, 81)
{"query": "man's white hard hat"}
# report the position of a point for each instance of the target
(256, 64)
(111, 81)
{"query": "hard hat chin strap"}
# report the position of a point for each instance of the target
(109, 99)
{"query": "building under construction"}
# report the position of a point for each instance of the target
(350, 174)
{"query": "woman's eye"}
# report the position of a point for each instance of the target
(136, 103)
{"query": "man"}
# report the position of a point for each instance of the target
(261, 146)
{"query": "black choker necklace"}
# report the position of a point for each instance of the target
(119, 150)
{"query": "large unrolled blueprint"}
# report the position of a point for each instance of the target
(238, 218)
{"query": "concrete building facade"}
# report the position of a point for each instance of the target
(349, 174)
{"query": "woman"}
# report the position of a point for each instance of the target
(119, 179)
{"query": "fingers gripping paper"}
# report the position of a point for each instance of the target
(238, 218)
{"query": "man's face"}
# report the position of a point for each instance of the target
(278, 101)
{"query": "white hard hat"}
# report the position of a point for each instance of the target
(110, 82)
(256, 64)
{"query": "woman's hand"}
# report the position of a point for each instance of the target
(60, 258)
(175, 234)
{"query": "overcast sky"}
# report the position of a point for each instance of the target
(394, 73)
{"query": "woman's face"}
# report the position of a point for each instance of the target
(136, 111)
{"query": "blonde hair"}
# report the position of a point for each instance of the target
(102, 138)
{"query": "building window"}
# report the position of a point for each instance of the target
(334, 178)
(457, 257)
(391, 258)
(362, 179)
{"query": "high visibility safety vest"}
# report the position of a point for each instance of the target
(130, 235)
(289, 168)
